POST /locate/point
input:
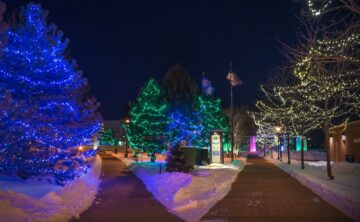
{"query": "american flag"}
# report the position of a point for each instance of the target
(234, 79)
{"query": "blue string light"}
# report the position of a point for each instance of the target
(44, 115)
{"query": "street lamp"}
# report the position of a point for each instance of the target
(234, 81)
(278, 130)
(126, 121)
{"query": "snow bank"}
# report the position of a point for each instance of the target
(33, 187)
(189, 196)
(312, 155)
(61, 204)
(343, 192)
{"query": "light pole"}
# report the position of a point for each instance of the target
(278, 130)
(126, 121)
(234, 81)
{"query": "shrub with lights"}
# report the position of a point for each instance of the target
(45, 112)
(176, 161)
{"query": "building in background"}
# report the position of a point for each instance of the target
(345, 142)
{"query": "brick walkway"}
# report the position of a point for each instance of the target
(123, 197)
(263, 192)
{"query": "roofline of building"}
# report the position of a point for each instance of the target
(350, 123)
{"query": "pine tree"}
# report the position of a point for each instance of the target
(211, 117)
(183, 127)
(180, 90)
(56, 114)
(107, 138)
(146, 131)
(176, 161)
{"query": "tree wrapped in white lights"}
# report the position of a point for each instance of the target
(325, 78)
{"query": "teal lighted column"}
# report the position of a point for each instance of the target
(298, 143)
(305, 144)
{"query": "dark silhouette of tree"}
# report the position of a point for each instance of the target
(179, 87)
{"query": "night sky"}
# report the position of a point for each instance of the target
(121, 44)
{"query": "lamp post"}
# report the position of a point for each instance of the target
(234, 81)
(278, 130)
(126, 121)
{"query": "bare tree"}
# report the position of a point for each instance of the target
(244, 125)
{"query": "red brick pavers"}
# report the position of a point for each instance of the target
(263, 192)
(123, 197)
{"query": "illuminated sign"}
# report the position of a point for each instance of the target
(215, 148)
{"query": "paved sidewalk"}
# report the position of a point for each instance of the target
(263, 192)
(123, 197)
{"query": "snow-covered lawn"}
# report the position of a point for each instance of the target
(343, 192)
(189, 196)
(36, 200)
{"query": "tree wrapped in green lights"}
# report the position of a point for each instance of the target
(146, 131)
(107, 137)
(210, 117)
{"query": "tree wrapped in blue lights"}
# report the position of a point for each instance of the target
(146, 131)
(183, 127)
(54, 114)
(180, 90)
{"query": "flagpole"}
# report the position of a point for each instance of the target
(234, 81)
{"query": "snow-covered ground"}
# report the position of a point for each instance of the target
(189, 196)
(343, 192)
(39, 200)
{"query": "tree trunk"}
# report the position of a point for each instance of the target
(152, 157)
(264, 149)
(327, 144)
(280, 150)
(288, 148)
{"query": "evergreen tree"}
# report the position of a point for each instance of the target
(176, 161)
(146, 131)
(107, 138)
(182, 127)
(179, 88)
(55, 114)
(210, 117)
